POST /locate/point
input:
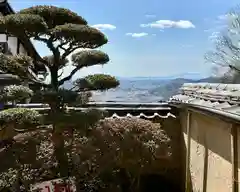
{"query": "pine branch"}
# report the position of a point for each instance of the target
(74, 71)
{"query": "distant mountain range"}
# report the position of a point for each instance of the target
(194, 76)
(171, 87)
(146, 89)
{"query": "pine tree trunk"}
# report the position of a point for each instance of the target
(57, 137)
(124, 180)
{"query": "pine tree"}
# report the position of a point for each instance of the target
(64, 33)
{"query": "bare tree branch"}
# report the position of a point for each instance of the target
(227, 48)
(60, 74)
(69, 50)
(49, 43)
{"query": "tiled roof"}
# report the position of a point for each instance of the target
(225, 97)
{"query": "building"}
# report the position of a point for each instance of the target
(13, 45)
(209, 124)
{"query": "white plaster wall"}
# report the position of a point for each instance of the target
(238, 131)
(215, 136)
(12, 44)
(22, 50)
(218, 138)
(196, 156)
(3, 37)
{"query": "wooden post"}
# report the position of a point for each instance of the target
(234, 157)
(187, 171)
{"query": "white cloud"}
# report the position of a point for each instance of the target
(162, 24)
(137, 35)
(104, 26)
(150, 16)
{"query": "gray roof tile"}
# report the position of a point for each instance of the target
(224, 97)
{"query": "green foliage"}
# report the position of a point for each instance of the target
(50, 61)
(134, 145)
(20, 117)
(21, 59)
(74, 98)
(88, 58)
(83, 97)
(15, 93)
(59, 16)
(65, 96)
(31, 24)
(82, 35)
(97, 82)
(78, 120)
(49, 24)
(136, 142)
(17, 119)
(28, 161)
(63, 32)
(68, 96)
(18, 65)
(97, 159)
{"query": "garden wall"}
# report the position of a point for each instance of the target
(212, 154)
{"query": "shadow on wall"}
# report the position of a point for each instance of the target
(156, 183)
(210, 152)
(175, 175)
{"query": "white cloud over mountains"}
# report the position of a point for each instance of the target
(105, 26)
(137, 35)
(162, 24)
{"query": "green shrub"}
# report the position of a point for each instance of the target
(20, 117)
(16, 93)
(115, 146)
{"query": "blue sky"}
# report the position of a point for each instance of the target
(148, 37)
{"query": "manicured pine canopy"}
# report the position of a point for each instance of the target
(97, 82)
(57, 23)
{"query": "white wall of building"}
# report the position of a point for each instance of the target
(3, 38)
(22, 50)
(12, 45)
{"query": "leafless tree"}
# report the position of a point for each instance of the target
(226, 54)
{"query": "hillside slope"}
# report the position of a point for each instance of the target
(171, 88)
(144, 89)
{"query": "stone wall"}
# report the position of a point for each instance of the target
(211, 154)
